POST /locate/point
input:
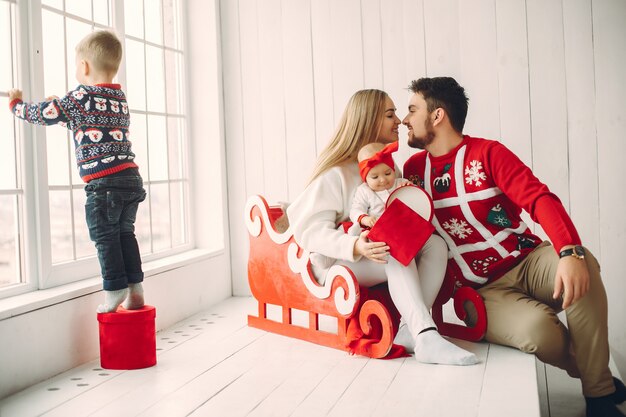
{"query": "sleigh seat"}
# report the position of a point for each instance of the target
(279, 274)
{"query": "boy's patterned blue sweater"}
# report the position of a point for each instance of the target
(99, 118)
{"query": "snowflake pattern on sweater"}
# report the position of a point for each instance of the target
(478, 210)
(99, 119)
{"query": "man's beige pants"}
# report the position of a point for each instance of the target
(521, 313)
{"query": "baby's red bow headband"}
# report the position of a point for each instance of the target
(381, 157)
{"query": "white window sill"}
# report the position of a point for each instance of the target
(35, 300)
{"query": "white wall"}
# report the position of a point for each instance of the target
(543, 76)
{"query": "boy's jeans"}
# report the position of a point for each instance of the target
(110, 210)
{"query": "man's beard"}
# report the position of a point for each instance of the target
(424, 141)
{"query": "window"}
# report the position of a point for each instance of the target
(11, 192)
(152, 75)
(154, 69)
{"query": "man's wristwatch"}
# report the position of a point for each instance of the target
(577, 252)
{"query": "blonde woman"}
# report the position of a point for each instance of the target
(370, 116)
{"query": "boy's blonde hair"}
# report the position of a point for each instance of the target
(359, 125)
(102, 49)
(370, 150)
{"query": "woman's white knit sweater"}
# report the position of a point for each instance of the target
(325, 203)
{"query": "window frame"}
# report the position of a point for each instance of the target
(37, 271)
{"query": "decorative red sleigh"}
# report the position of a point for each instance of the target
(279, 273)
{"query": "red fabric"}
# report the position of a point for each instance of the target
(382, 157)
(14, 103)
(357, 341)
(109, 171)
(346, 226)
(403, 230)
(488, 165)
(110, 85)
(361, 218)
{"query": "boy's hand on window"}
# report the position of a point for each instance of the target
(14, 94)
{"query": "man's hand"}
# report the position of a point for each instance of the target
(14, 93)
(572, 279)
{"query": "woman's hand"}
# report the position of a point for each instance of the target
(374, 251)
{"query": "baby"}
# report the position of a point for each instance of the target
(377, 170)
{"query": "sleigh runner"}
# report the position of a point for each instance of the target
(279, 273)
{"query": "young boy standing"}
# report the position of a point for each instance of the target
(97, 114)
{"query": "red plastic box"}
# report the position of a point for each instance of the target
(128, 338)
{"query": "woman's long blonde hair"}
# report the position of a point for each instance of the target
(359, 125)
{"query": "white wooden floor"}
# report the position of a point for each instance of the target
(212, 364)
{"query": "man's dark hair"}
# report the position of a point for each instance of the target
(446, 93)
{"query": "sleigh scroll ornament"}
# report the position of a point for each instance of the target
(279, 274)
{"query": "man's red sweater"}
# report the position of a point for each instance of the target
(479, 190)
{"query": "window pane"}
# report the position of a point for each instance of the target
(8, 157)
(138, 136)
(175, 134)
(9, 244)
(177, 204)
(76, 31)
(142, 224)
(84, 246)
(157, 146)
(101, 12)
(133, 22)
(153, 21)
(160, 208)
(76, 179)
(60, 226)
(135, 73)
(53, 55)
(171, 24)
(58, 155)
(155, 79)
(80, 8)
(57, 4)
(174, 80)
(6, 78)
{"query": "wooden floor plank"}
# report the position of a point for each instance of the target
(436, 390)
(327, 392)
(212, 364)
(363, 394)
(317, 363)
(206, 344)
(507, 388)
(202, 388)
(247, 392)
(174, 372)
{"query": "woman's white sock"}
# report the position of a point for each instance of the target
(135, 297)
(112, 300)
(431, 347)
(404, 338)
